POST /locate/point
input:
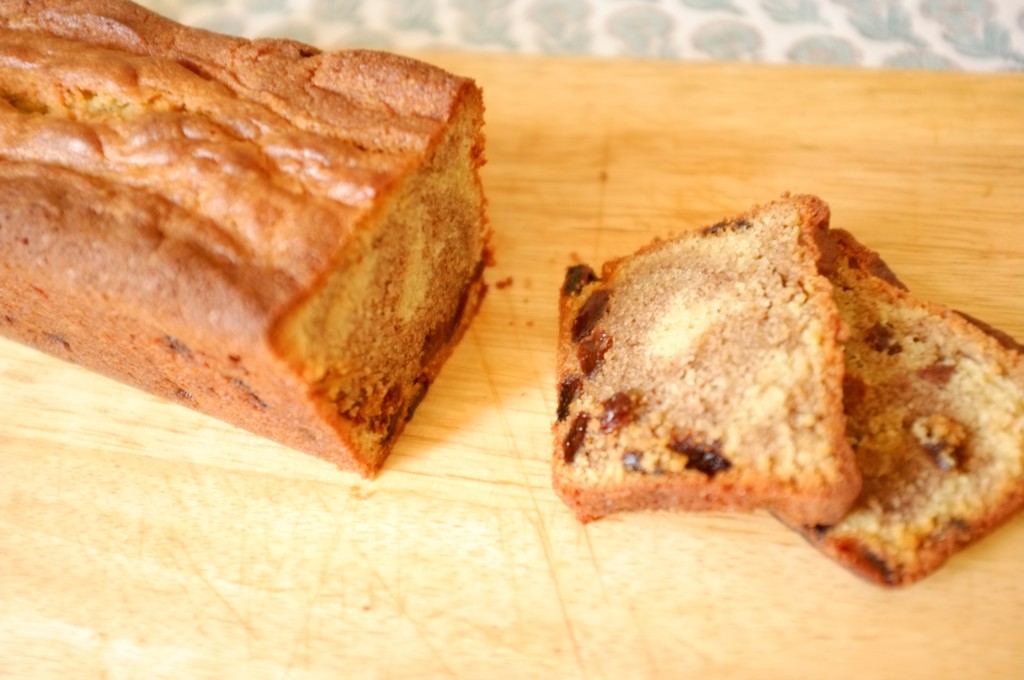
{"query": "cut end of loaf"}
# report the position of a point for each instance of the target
(371, 342)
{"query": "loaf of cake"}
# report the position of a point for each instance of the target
(935, 414)
(705, 372)
(287, 239)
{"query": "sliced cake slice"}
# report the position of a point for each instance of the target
(935, 415)
(705, 372)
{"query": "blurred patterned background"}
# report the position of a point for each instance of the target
(970, 35)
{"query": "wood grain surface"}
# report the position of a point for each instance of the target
(139, 539)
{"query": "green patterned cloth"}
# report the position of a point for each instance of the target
(970, 35)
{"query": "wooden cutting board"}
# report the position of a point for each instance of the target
(139, 539)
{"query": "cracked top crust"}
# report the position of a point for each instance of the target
(130, 112)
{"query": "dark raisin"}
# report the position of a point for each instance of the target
(591, 312)
(945, 455)
(592, 349)
(247, 391)
(422, 385)
(852, 263)
(938, 373)
(574, 439)
(942, 438)
(633, 461)
(176, 346)
(877, 563)
(619, 411)
(432, 343)
(307, 52)
(820, 530)
(392, 399)
(443, 331)
(389, 414)
(877, 337)
(394, 411)
(576, 277)
(567, 393)
(854, 390)
(700, 456)
(959, 525)
(725, 225)
(880, 338)
(392, 428)
(59, 340)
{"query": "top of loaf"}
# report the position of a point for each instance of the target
(268, 152)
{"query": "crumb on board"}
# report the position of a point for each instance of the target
(503, 283)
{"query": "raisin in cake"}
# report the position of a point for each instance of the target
(935, 414)
(287, 239)
(705, 372)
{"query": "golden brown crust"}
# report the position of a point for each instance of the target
(1002, 337)
(303, 139)
(643, 421)
(935, 412)
(173, 197)
(835, 244)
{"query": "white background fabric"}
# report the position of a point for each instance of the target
(970, 35)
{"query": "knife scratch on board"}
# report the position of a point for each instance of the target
(302, 642)
(534, 515)
(508, 550)
(583, 530)
(400, 604)
(537, 521)
(195, 568)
